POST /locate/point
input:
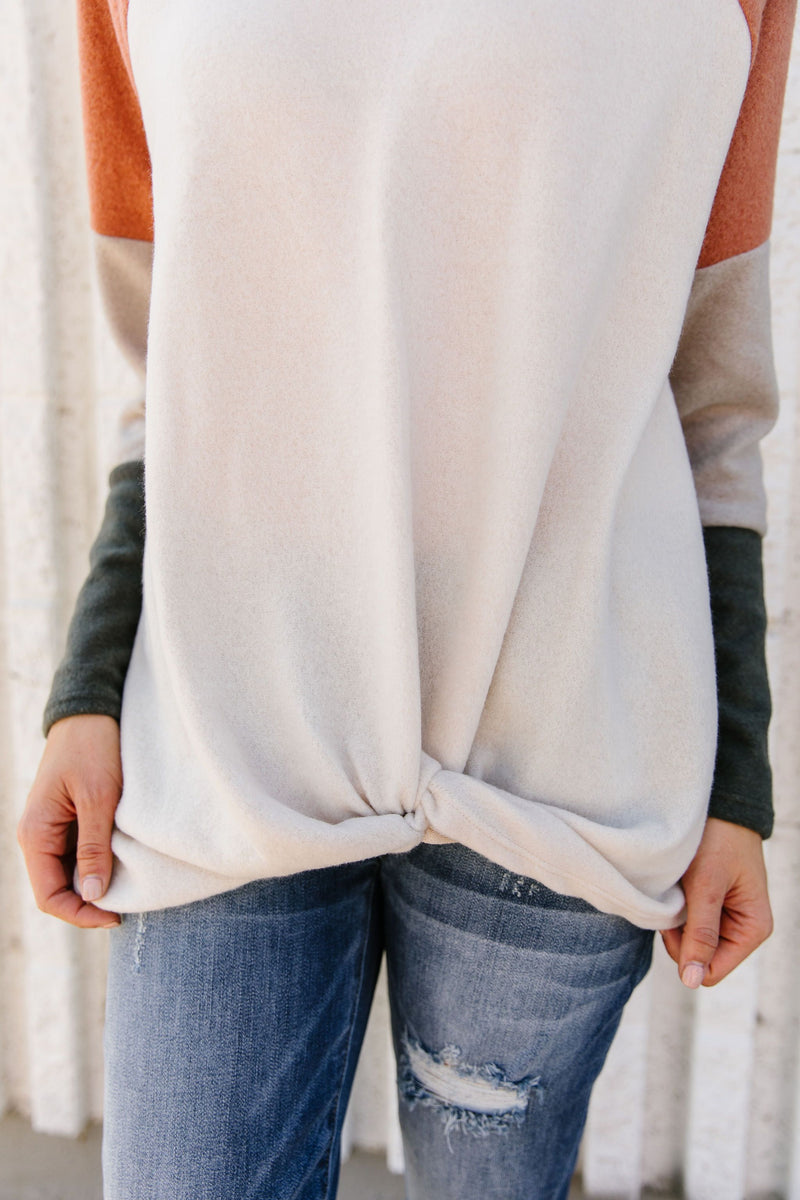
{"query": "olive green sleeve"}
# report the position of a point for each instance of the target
(742, 786)
(91, 675)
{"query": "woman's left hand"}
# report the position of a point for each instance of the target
(727, 906)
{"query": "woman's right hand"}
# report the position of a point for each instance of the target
(69, 815)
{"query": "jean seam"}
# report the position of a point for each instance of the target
(360, 984)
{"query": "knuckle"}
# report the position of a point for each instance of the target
(91, 851)
(705, 935)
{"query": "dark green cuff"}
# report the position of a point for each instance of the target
(742, 788)
(91, 675)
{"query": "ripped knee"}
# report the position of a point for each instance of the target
(476, 1099)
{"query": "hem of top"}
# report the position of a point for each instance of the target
(634, 914)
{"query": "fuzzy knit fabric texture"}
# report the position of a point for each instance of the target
(91, 675)
(456, 338)
(742, 787)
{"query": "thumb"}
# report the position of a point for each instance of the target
(95, 822)
(700, 936)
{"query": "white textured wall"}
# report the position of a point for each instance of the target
(701, 1091)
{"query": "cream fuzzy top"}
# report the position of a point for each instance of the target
(424, 555)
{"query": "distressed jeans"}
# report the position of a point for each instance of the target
(234, 1024)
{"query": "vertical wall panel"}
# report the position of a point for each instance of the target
(612, 1150)
(794, 1171)
(47, 982)
(775, 1046)
(46, 494)
(669, 1057)
(13, 1060)
(701, 1091)
(719, 1093)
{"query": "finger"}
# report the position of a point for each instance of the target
(52, 888)
(93, 852)
(738, 939)
(672, 941)
(47, 846)
(701, 933)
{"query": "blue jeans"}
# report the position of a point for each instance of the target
(234, 1025)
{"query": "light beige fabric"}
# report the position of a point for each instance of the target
(424, 555)
(124, 269)
(725, 387)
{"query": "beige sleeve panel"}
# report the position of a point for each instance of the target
(124, 270)
(723, 379)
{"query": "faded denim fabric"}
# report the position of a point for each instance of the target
(505, 999)
(234, 1025)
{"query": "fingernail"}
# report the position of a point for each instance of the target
(693, 974)
(92, 888)
(110, 925)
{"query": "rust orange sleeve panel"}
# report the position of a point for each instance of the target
(741, 216)
(117, 157)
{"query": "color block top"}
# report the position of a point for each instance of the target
(456, 328)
